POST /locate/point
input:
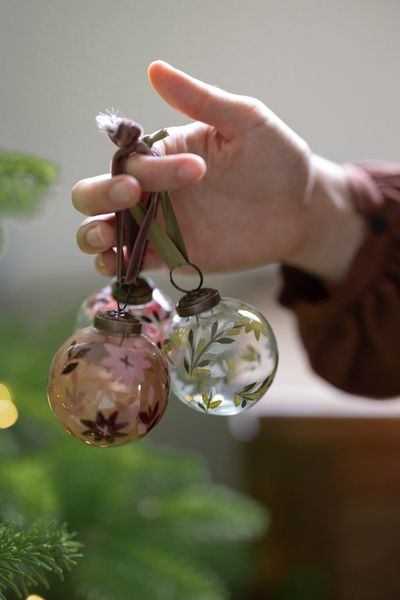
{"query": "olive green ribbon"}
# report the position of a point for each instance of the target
(169, 244)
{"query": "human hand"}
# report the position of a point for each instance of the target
(242, 183)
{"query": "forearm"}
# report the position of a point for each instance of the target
(335, 229)
(351, 330)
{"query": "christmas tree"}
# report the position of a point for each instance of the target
(29, 550)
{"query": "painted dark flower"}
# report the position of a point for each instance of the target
(150, 418)
(104, 429)
(75, 352)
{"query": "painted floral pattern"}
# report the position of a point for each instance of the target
(156, 315)
(126, 364)
(151, 417)
(108, 390)
(104, 428)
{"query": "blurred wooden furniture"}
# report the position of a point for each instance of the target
(332, 487)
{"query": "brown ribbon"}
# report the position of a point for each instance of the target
(127, 134)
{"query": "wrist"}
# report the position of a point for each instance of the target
(334, 229)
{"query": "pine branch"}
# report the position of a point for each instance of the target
(212, 513)
(153, 573)
(29, 556)
(24, 181)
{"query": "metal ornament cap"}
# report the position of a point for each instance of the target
(197, 301)
(137, 293)
(117, 322)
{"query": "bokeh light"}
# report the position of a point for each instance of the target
(8, 410)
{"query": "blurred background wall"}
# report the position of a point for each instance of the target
(329, 69)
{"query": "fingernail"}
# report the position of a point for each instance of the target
(100, 264)
(189, 171)
(122, 192)
(94, 237)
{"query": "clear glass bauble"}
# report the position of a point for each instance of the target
(155, 313)
(221, 361)
(108, 389)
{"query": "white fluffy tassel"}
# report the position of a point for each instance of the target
(108, 122)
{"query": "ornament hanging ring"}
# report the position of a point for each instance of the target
(178, 287)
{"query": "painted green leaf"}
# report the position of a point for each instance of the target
(186, 365)
(237, 400)
(204, 363)
(205, 398)
(191, 337)
(214, 328)
(255, 395)
(243, 321)
(200, 405)
(201, 372)
(201, 345)
(267, 381)
(233, 331)
(262, 390)
(248, 327)
(257, 334)
(248, 387)
(225, 340)
(215, 403)
(244, 404)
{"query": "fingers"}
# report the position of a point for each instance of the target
(230, 113)
(96, 235)
(171, 172)
(106, 263)
(99, 195)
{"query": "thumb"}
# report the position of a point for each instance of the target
(229, 113)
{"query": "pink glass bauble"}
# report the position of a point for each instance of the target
(106, 387)
(146, 302)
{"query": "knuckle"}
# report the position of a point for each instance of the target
(253, 107)
(252, 102)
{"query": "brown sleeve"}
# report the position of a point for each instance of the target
(352, 332)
